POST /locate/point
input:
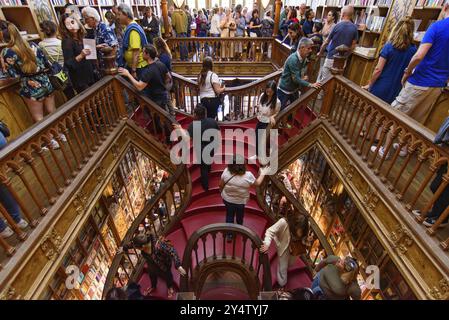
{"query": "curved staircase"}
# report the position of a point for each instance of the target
(206, 207)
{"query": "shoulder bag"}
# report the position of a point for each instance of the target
(58, 77)
(217, 95)
(221, 189)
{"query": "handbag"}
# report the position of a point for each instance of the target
(168, 80)
(221, 189)
(58, 77)
(4, 129)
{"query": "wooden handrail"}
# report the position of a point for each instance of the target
(181, 179)
(225, 228)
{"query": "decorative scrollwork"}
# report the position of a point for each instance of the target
(371, 199)
(441, 291)
(349, 171)
(100, 173)
(79, 202)
(51, 245)
(401, 239)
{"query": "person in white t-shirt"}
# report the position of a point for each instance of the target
(234, 185)
(267, 109)
(210, 88)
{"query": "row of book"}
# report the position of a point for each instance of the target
(13, 3)
(360, 3)
(58, 2)
(375, 23)
(429, 3)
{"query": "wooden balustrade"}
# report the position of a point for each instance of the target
(242, 49)
(128, 265)
(274, 198)
(35, 171)
(239, 102)
(197, 259)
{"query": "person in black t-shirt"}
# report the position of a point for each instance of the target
(152, 80)
(254, 24)
(205, 123)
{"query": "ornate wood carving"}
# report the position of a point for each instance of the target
(100, 173)
(79, 202)
(401, 239)
(349, 171)
(51, 245)
(371, 199)
(9, 294)
(441, 291)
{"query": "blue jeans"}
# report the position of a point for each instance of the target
(286, 99)
(234, 211)
(316, 285)
(183, 48)
(6, 198)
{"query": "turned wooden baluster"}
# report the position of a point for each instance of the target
(253, 251)
(204, 239)
(19, 171)
(98, 118)
(8, 249)
(245, 240)
(377, 124)
(214, 239)
(40, 152)
(344, 113)
(55, 159)
(364, 111)
(65, 129)
(111, 104)
(431, 171)
(107, 117)
(82, 140)
(64, 153)
(341, 108)
(371, 116)
(337, 99)
(195, 249)
(20, 234)
(234, 240)
(349, 116)
(94, 125)
(224, 245)
(87, 126)
(28, 158)
(72, 125)
(395, 133)
(402, 142)
(385, 128)
(421, 159)
(432, 230)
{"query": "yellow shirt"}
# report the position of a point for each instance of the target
(134, 43)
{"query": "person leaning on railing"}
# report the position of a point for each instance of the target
(292, 78)
(158, 254)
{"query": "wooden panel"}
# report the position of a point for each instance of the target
(359, 69)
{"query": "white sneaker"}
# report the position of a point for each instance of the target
(403, 151)
(54, 144)
(416, 213)
(22, 224)
(6, 233)
(381, 151)
(252, 158)
(63, 137)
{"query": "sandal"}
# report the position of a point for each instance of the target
(148, 291)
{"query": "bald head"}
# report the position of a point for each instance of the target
(347, 12)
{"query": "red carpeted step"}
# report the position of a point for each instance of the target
(215, 202)
(190, 224)
(179, 241)
(297, 268)
(160, 293)
(298, 279)
(224, 293)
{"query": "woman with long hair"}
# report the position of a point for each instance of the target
(163, 52)
(395, 56)
(267, 109)
(234, 186)
(81, 70)
(210, 88)
(329, 23)
(291, 235)
(28, 62)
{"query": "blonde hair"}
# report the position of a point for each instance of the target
(402, 34)
(22, 49)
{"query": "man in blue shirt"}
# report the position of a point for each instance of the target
(426, 74)
(345, 32)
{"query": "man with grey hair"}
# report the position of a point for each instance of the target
(293, 75)
(134, 39)
(344, 33)
(104, 36)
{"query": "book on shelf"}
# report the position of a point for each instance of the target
(106, 3)
(360, 3)
(60, 3)
(384, 3)
(375, 23)
(335, 3)
(13, 3)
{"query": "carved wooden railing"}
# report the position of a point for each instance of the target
(213, 237)
(36, 175)
(239, 102)
(126, 266)
(244, 49)
(274, 198)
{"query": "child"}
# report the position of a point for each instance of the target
(317, 27)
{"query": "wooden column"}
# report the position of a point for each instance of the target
(164, 9)
(277, 16)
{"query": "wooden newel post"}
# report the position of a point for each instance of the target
(164, 9)
(340, 60)
(110, 60)
(277, 17)
(312, 69)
